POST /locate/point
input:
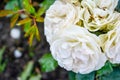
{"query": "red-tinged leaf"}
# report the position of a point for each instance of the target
(31, 39)
(26, 20)
(40, 19)
(4, 13)
(14, 20)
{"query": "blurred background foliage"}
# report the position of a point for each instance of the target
(27, 14)
(30, 13)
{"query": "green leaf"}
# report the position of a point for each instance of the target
(31, 54)
(26, 20)
(12, 4)
(28, 6)
(31, 39)
(37, 34)
(27, 71)
(4, 13)
(27, 26)
(30, 31)
(89, 76)
(1, 54)
(2, 64)
(115, 75)
(14, 20)
(47, 3)
(71, 75)
(44, 6)
(37, 77)
(48, 63)
(118, 7)
(105, 69)
(40, 12)
(40, 19)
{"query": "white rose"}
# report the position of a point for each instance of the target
(78, 50)
(71, 1)
(111, 44)
(95, 18)
(58, 16)
(107, 4)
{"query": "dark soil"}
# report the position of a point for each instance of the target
(15, 66)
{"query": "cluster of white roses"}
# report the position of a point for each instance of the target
(70, 27)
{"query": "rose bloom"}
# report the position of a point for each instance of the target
(58, 16)
(107, 4)
(72, 1)
(111, 44)
(77, 50)
(95, 18)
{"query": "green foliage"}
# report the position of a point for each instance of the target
(78, 76)
(48, 63)
(115, 75)
(13, 20)
(90, 76)
(40, 19)
(108, 72)
(44, 6)
(1, 53)
(36, 77)
(2, 64)
(27, 71)
(26, 20)
(32, 32)
(4, 13)
(13, 5)
(28, 6)
(16, 8)
(71, 75)
(118, 7)
(105, 70)
(27, 26)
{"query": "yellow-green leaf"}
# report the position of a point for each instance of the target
(31, 39)
(27, 26)
(40, 19)
(37, 33)
(44, 6)
(27, 71)
(40, 12)
(31, 33)
(31, 30)
(28, 6)
(4, 13)
(14, 20)
(26, 20)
